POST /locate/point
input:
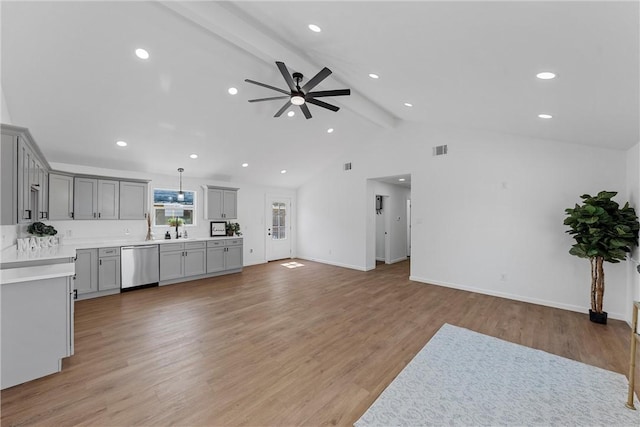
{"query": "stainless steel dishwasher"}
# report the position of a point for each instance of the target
(140, 265)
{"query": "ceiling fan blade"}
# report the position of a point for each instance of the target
(305, 111)
(283, 109)
(323, 74)
(267, 86)
(323, 104)
(336, 92)
(287, 76)
(269, 99)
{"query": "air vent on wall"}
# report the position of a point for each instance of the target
(347, 166)
(440, 150)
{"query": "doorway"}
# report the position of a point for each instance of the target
(278, 228)
(382, 229)
(388, 227)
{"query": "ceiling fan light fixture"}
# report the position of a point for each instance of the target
(297, 100)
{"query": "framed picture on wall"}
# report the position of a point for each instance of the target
(218, 228)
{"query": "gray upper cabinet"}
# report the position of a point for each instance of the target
(221, 203)
(85, 198)
(96, 198)
(108, 199)
(133, 200)
(24, 178)
(60, 196)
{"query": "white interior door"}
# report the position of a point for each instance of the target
(278, 228)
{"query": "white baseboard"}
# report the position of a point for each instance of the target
(337, 264)
(254, 263)
(393, 261)
(570, 307)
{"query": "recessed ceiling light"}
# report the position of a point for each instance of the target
(545, 116)
(121, 143)
(244, 165)
(283, 171)
(407, 104)
(374, 76)
(401, 179)
(232, 91)
(291, 113)
(546, 75)
(193, 156)
(142, 54)
(314, 28)
(330, 130)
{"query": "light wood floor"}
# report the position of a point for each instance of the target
(274, 346)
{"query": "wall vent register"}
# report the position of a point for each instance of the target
(440, 150)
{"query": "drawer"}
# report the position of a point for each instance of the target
(108, 252)
(195, 245)
(168, 247)
(215, 243)
(234, 242)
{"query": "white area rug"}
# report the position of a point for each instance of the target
(464, 378)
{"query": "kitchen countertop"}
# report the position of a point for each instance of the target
(68, 248)
(27, 274)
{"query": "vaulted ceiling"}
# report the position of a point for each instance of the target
(69, 74)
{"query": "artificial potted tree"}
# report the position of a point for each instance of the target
(603, 232)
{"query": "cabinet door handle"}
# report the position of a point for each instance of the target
(100, 262)
(99, 214)
(27, 214)
(94, 214)
(71, 215)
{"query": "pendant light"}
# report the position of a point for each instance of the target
(180, 193)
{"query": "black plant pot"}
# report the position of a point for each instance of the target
(598, 317)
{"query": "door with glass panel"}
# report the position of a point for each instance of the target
(278, 228)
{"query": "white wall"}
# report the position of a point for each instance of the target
(633, 196)
(487, 217)
(251, 213)
(5, 117)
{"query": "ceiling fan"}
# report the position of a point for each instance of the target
(301, 95)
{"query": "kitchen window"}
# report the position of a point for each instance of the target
(167, 208)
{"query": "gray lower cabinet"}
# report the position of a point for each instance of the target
(86, 277)
(215, 259)
(224, 255)
(178, 260)
(97, 270)
(108, 268)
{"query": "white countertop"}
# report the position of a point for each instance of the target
(27, 274)
(11, 254)
(68, 249)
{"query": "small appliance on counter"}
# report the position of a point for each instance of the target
(167, 236)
